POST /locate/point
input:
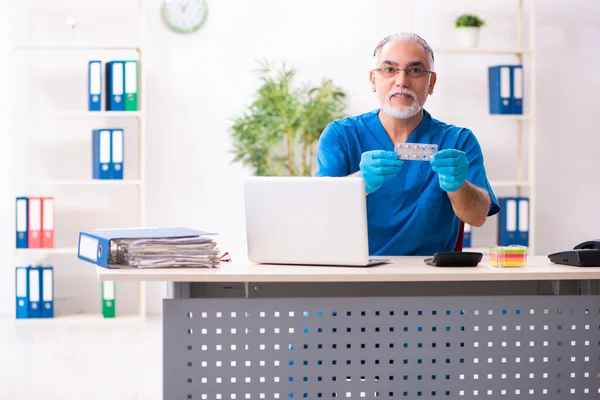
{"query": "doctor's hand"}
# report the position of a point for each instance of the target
(377, 166)
(451, 166)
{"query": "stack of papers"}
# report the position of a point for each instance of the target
(148, 248)
(197, 251)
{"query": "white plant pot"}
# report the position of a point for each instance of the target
(468, 37)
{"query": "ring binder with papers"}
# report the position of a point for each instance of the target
(148, 248)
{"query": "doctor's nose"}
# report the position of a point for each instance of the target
(402, 79)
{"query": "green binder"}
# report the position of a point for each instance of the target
(108, 299)
(131, 85)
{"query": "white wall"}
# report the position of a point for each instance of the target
(196, 84)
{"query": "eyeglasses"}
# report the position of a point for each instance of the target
(411, 72)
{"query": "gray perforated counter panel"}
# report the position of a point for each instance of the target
(508, 347)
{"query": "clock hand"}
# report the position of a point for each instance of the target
(185, 6)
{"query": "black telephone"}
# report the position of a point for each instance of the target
(590, 244)
(585, 254)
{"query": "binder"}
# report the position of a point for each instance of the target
(95, 85)
(505, 86)
(117, 154)
(131, 85)
(114, 86)
(21, 222)
(101, 154)
(34, 292)
(47, 222)
(513, 221)
(35, 223)
(108, 299)
(467, 235)
(523, 224)
(94, 245)
(47, 286)
(517, 89)
(21, 291)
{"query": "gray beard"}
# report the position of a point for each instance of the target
(401, 113)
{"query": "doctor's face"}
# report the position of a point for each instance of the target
(402, 79)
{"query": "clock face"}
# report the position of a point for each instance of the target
(184, 16)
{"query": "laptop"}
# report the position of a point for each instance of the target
(307, 221)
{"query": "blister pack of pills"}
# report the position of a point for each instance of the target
(415, 151)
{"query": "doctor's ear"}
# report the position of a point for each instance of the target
(432, 81)
(372, 79)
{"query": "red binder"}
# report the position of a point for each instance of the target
(48, 222)
(35, 222)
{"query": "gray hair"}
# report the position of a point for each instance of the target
(410, 37)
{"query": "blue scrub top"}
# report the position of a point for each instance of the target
(410, 214)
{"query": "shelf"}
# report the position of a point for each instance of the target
(509, 184)
(82, 182)
(482, 51)
(77, 46)
(103, 114)
(58, 250)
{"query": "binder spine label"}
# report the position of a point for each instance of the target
(511, 215)
(21, 282)
(47, 290)
(88, 248)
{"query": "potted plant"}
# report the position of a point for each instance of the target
(468, 26)
(277, 134)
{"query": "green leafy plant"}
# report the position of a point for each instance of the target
(277, 134)
(469, 20)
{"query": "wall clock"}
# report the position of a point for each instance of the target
(183, 16)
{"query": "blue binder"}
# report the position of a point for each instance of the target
(101, 154)
(95, 85)
(94, 245)
(115, 86)
(516, 85)
(34, 292)
(22, 292)
(117, 143)
(22, 222)
(505, 89)
(467, 236)
(47, 286)
(513, 221)
(523, 222)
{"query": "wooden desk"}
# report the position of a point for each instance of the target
(400, 330)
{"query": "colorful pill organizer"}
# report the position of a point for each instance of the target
(415, 151)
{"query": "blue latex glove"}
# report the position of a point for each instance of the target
(377, 166)
(451, 166)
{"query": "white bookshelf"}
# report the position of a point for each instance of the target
(81, 114)
(82, 182)
(56, 250)
(520, 51)
(77, 46)
(19, 186)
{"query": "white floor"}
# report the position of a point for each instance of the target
(85, 357)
